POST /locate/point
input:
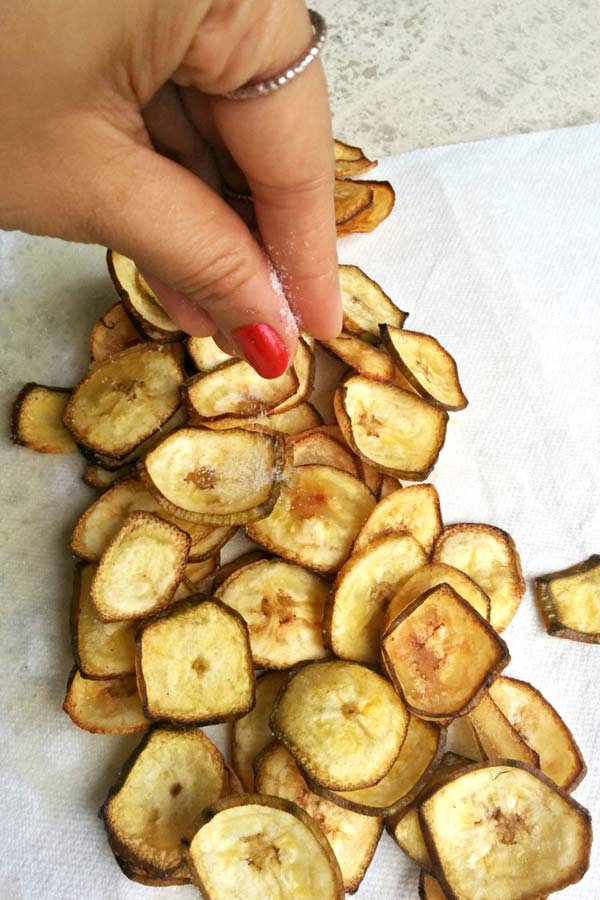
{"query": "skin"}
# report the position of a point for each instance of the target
(113, 132)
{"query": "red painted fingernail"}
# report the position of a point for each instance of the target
(263, 348)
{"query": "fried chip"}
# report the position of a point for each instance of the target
(570, 601)
(364, 358)
(430, 888)
(196, 577)
(251, 733)
(495, 735)
(370, 216)
(139, 301)
(431, 576)
(351, 197)
(415, 509)
(235, 389)
(110, 706)
(350, 160)
(365, 305)
(318, 448)
(37, 419)
(114, 331)
(205, 354)
(98, 477)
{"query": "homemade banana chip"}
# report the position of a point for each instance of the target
(365, 305)
(194, 665)
(223, 478)
(140, 569)
(282, 605)
(487, 555)
(318, 448)
(114, 331)
(251, 733)
(353, 837)
(37, 419)
(372, 477)
(430, 888)
(124, 400)
(165, 784)
(392, 429)
(136, 873)
(441, 654)
(139, 301)
(350, 160)
(389, 485)
(364, 358)
(111, 706)
(196, 577)
(415, 509)
(315, 519)
(235, 389)
(350, 197)
(570, 601)
(431, 576)
(495, 735)
(373, 214)
(205, 354)
(177, 420)
(98, 477)
(362, 590)
(343, 723)
(426, 365)
(505, 832)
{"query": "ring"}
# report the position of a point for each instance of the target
(270, 85)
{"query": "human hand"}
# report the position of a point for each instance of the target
(109, 112)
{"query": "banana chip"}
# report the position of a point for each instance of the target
(139, 300)
(205, 354)
(426, 365)
(372, 477)
(194, 665)
(364, 358)
(389, 485)
(235, 389)
(365, 305)
(112, 706)
(37, 419)
(373, 214)
(353, 837)
(495, 735)
(317, 448)
(351, 197)
(98, 477)
(177, 420)
(350, 160)
(343, 723)
(430, 888)
(570, 601)
(487, 555)
(315, 520)
(136, 873)
(415, 509)
(251, 733)
(114, 331)
(432, 576)
(196, 577)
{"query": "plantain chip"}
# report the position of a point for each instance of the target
(365, 305)
(372, 477)
(495, 735)
(245, 559)
(236, 390)
(194, 665)
(426, 365)
(541, 727)
(219, 478)
(163, 788)
(292, 421)
(282, 605)
(415, 509)
(251, 733)
(177, 420)
(350, 197)
(441, 654)
(343, 723)
(317, 515)
(389, 485)
(461, 739)
(139, 301)
(110, 706)
(370, 216)
(487, 555)
(353, 837)
(234, 785)
(136, 873)
(114, 331)
(392, 429)
(350, 160)
(317, 447)
(430, 888)
(140, 569)
(37, 419)
(364, 358)
(98, 477)
(431, 576)
(362, 591)
(205, 354)
(124, 400)
(101, 649)
(570, 601)
(502, 831)
(196, 577)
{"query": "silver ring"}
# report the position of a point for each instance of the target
(270, 85)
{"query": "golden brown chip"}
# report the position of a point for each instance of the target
(235, 389)
(570, 601)
(205, 354)
(415, 509)
(112, 706)
(139, 301)
(372, 477)
(98, 477)
(37, 419)
(389, 485)
(431, 576)
(114, 331)
(350, 160)
(430, 888)
(292, 421)
(317, 515)
(245, 559)
(495, 735)
(364, 358)
(350, 198)
(365, 305)
(406, 830)
(177, 420)
(370, 216)
(251, 733)
(196, 577)
(316, 447)
(138, 874)
(487, 555)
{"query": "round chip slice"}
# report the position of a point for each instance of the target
(364, 304)
(37, 419)
(114, 331)
(343, 723)
(251, 733)
(431, 576)
(415, 509)
(105, 707)
(139, 300)
(235, 389)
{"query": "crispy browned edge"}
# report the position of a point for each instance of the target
(439, 519)
(231, 733)
(240, 562)
(361, 222)
(89, 476)
(345, 423)
(18, 403)
(277, 803)
(534, 758)
(146, 329)
(409, 375)
(135, 872)
(304, 435)
(501, 663)
(132, 476)
(368, 336)
(348, 217)
(463, 526)
(509, 764)
(101, 323)
(195, 557)
(359, 164)
(135, 730)
(172, 612)
(543, 590)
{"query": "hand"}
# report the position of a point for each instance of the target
(110, 116)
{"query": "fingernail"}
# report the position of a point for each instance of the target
(263, 348)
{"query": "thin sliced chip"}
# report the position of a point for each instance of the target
(105, 707)
(304, 368)
(532, 837)
(415, 509)
(194, 664)
(124, 400)
(350, 160)
(245, 559)
(315, 520)
(177, 420)
(368, 218)
(353, 837)
(431, 576)
(430, 888)
(495, 735)
(396, 431)
(100, 478)
(37, 419)
(316, 447)
(487, 555)
(114, 331)
(163, 788)
(343, 723)
(101, 649)
(221, 478)
(420, 754)
(205, 354)
(389, 485)
(442, 655)
(542, 728)
(364, 358)
(293, 421)
(139, 875)
(461, 739)
(196, 577)
(282, 605)
(269, 846)
(426, 365)
(140, 569)
(235, 389)
(234, 785)
(139, 300)
(570, 601)
(365, 305)
(252, 732)
(351, 197)
(362, 591)
(372, 477)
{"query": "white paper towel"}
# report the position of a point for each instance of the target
(493, 248)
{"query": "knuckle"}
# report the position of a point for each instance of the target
(224, 274)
